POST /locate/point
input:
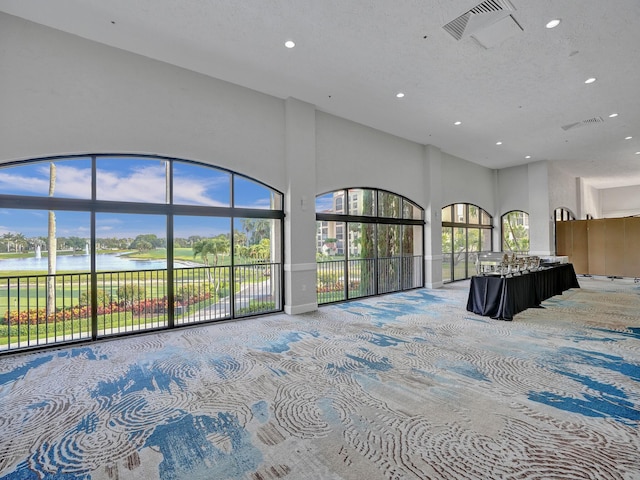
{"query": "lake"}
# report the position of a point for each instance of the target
(81, 263)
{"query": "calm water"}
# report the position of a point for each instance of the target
(82, 263)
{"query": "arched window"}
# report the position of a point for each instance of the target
(515, 232)
(373, 248)
(466, 230)
(100, 245)
(563, 214)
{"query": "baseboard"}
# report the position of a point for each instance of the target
(298, 309)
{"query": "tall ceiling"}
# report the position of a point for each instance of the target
(507, 78)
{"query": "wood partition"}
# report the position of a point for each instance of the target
(608, 246)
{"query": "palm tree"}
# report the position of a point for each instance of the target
(211, 246)
(8, 238)
(20, 242)
(52, 247)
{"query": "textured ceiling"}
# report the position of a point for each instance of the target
(353, 56)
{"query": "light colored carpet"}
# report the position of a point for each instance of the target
(405, 386)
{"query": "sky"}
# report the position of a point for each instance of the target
(130, 179)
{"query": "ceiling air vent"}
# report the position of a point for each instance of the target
(479, 17)
(590, 121)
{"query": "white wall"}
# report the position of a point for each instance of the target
(466, 182)
(590, 203)
(353, 155)
(513, 190)
(563, 191)
(620, 202)
(61, 94)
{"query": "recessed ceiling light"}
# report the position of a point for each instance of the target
(553, 23)
(528, 156)
(498, 143)
(399, 94)
(590, 80)
(628, 138)
(457, 123)
(289, 44)
(613, 115)
(637, 153)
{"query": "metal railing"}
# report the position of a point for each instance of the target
(340, 280)
(44, 310)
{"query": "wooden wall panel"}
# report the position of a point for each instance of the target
(596, 232)
(632, 247)
(580, 246)
(608, 246)
(563, 239)
(614, 255)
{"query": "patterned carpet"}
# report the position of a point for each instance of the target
(405, 386)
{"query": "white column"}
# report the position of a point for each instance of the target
(300, 217)
(541, 236)
(496, 233)
(432, 200)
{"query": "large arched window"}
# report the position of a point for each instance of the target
(515, 232)
(466, 230)
(562, 214)
(368, 242)
(101, 245)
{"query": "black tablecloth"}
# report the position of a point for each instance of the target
(502, 298)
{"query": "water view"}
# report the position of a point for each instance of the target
(80, 263)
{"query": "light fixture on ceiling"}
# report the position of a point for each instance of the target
(289, 44)
(528, 156)
(399, 94)
(553, 23)
(457, 123)
(628, 138)
(637, 153)
(613, 115)
(498, 143)
(590, 80)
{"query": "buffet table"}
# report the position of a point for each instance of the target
(502, 297)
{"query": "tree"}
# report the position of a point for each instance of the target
(211, 247)
(514, 232)
(52, 247)
(7, 238)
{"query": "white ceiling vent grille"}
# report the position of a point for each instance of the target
(583, 123)
(480, 16)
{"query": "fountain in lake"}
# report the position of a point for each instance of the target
(38, 252)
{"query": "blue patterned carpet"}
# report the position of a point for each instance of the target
(406, 386)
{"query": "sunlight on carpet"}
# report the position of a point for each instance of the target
(403, 386)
